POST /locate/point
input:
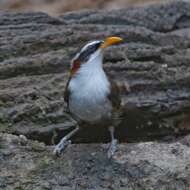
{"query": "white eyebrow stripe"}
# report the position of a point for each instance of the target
(89, 44)
(83, 49)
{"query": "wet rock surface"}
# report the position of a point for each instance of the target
(28, 164)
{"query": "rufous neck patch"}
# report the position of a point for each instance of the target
(75, 67)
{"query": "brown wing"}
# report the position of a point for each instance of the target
(115, 99)
(75, 65)
(67, 92)
(114, 95)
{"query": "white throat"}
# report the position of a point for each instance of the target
(93, 65)
(91, 80)
(88, 91)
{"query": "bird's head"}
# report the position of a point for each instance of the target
(92, 53)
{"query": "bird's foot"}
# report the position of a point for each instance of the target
(59, 148)
(112, 148)
(64, 142)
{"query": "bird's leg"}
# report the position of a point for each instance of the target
(113, 144)
(64, 142)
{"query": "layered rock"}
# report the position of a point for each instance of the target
(28, 165)
(36, 49)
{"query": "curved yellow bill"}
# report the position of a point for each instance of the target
(111, 40)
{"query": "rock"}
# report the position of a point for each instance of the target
(57, 7)
(36, 49)
(159, 18)
(150, 165)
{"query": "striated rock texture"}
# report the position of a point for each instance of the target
(55, 7)
(30, 165)
(35, 51)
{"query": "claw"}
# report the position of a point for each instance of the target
(64, 142)
(112, 148)
(59, 148)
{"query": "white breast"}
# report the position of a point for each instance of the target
(88, 91)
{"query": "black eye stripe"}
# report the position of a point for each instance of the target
(85, 54)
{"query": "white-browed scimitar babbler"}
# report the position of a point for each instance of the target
(90, 95)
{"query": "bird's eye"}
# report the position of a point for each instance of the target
(89, 50)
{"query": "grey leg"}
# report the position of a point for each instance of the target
(113, 144)
(64, 142)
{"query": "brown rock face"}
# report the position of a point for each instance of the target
(35, 51)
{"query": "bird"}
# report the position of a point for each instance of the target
(91, 96)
